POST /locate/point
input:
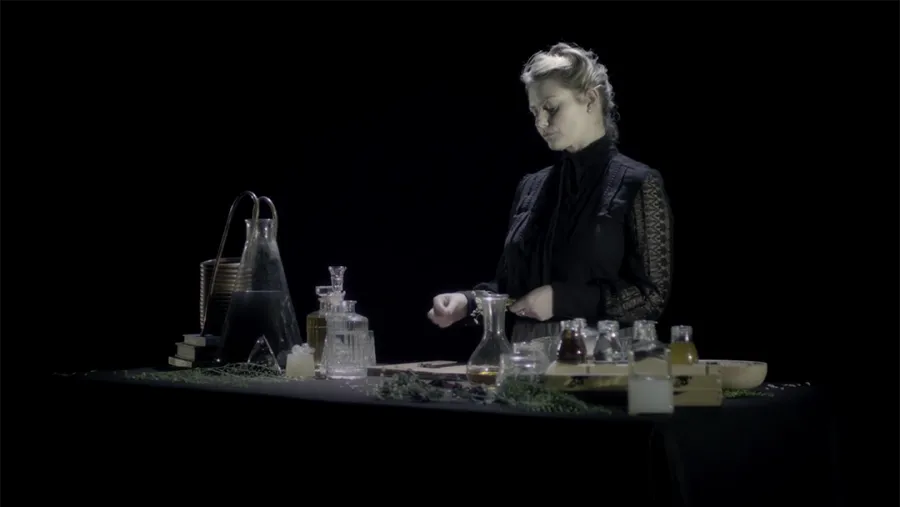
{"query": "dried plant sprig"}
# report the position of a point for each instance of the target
(407, 386)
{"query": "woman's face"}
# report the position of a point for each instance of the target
(563, 121)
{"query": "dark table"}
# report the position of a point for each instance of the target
(748, 452)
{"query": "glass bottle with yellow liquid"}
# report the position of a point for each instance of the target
(682, 348)
(484, 364)
(330, 299)
(316, 325)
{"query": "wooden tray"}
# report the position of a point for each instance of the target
(431, 370)
(696, 385)
(734, 374)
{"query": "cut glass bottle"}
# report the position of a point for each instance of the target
(347, 343)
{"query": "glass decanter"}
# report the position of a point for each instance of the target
(650, 389)
(347, 343)
(484, 364)
(682, 345)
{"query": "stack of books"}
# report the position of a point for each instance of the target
(195, 351)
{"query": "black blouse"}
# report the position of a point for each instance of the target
(597, 227)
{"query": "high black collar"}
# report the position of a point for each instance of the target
(597, 153)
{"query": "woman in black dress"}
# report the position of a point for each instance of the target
(590, 236)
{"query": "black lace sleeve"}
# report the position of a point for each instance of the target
(646, 277)
(650, 258)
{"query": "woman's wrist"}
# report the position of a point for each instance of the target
(471, 300)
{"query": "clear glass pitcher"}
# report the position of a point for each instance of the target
(485, 362)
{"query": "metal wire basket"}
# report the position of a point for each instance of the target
(219, 294)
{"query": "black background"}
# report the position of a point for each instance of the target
(391, 137)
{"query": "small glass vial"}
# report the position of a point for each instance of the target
(650, 389)
(609, 342)
(682, 345)
(572, 349)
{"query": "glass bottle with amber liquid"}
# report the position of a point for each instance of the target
(682, 348)
(572, 349)
(317, 322)
(317, 326)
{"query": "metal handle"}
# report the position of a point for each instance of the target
(255, 217)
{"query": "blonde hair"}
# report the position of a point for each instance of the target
(579, 70)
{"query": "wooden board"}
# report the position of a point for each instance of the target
(442, 370)
(698, 385)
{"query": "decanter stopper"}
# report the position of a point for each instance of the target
(337, 283)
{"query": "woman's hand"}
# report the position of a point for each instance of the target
(537, 304)
(448, 309)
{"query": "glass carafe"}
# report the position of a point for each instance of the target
(682, 345)
(260, 325)
(650, 389)
(484, 364)
(572, 349)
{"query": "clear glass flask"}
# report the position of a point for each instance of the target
(485, 362)
(260, 325)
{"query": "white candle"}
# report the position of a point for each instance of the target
(649, 395)
(300, 362)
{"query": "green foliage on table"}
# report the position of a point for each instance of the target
(745, 393)
(230, 375)
(520, 395)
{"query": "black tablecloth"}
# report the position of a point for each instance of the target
(749, 451)
(758, 449)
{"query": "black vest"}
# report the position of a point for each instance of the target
(568, 221)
